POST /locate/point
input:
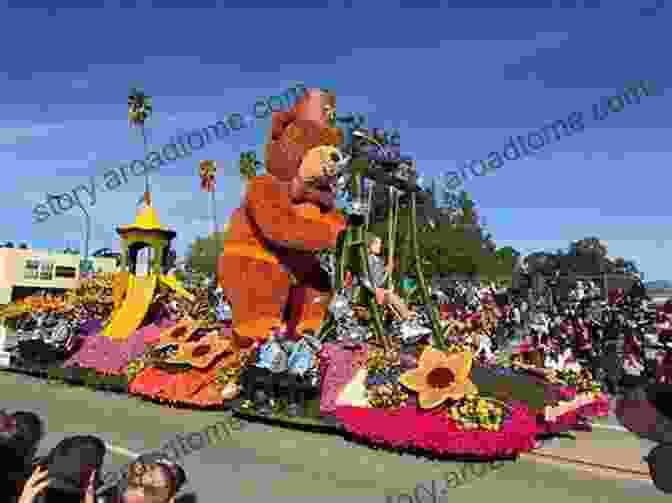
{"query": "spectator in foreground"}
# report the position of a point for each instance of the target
(35, 487)
(152, 479)
(69, 474)
(20, 435)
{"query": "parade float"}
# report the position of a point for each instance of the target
(329, 354)
(313, 342)
(115, 328)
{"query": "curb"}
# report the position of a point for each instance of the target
(611, 427)
(595, 468)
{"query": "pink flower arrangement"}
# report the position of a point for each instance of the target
(337, 368)
(436, 432)
(567, 393)
(111, 357)
(523, 348)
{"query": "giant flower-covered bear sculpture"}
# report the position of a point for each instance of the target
(269, 269)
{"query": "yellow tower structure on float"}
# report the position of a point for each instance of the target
(133, 294)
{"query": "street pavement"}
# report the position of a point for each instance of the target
(612, 423)
(260, 462)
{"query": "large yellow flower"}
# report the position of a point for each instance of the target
(440, 376)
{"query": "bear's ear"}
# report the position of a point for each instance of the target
(280, 121)
(314, 105)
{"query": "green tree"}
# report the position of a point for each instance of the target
(203, 252)
(588, 246)
(454, 242)
(620, 265)
(506, 260)
(630, 267)
(541, 262)
(587, 256)
(507, 253)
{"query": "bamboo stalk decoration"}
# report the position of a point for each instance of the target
(438, 340)
(390, 235)
(396, 228)
(342, 258)
(360, 240)
(369, 203)
(392, 220)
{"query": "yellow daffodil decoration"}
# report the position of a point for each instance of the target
(440, 376)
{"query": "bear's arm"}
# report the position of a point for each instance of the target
(269, 205)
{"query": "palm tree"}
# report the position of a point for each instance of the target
(208, 175)
(249, 165)
(139, 110)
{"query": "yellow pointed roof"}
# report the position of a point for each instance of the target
(147, 220)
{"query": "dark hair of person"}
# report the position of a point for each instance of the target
(155, 494)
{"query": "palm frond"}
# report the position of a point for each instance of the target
(139, 107)
(248, 164)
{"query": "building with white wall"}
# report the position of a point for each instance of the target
(25, 270)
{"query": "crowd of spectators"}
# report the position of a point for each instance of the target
(622, 339)
(72, 470)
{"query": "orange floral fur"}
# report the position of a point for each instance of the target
(268, 268)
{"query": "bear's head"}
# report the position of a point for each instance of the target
(292, 153)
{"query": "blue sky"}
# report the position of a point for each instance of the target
(455, 82)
